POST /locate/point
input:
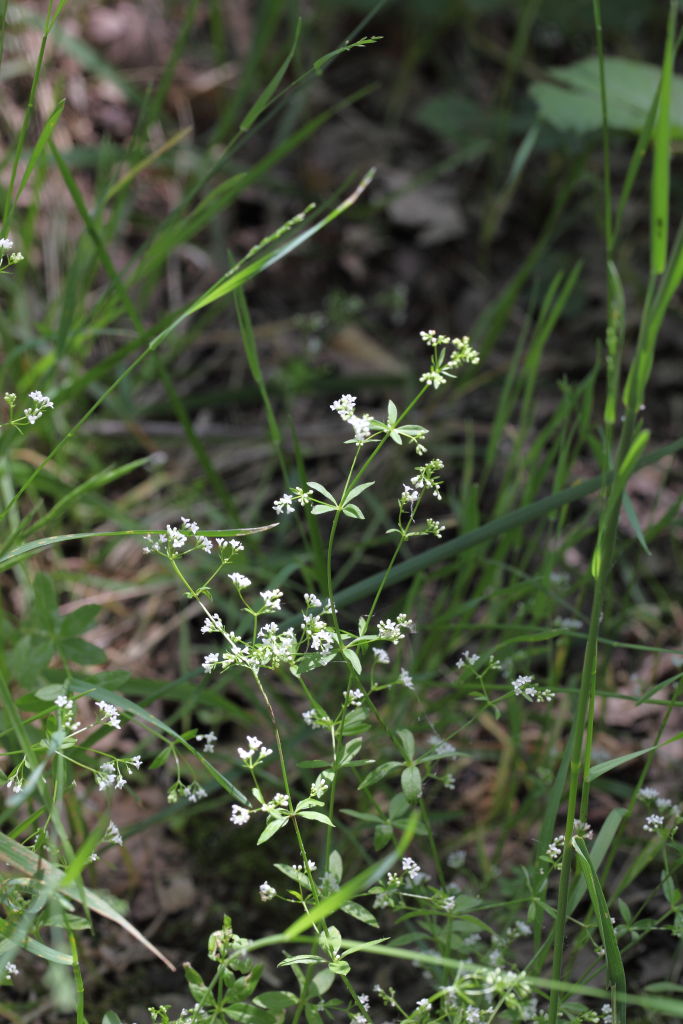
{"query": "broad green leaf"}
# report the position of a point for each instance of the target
(275, 1001)
(317, 816)
(571, 101)
(353, 512)
(352, 659)
(411, 783)
(406, 742)
(360, 913)
(315, 486)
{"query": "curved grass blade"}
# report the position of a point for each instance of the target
(614, 964)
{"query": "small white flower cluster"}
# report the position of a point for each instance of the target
(426, 478)
(113, 834)
(266, 892)
(362, 426)
(209, 741)
(662, 809)
(110, 774)
(285, 504)
(272, 600)
(447, 356)
(111, 715)
(411, 867)
(193, 792)
(41, 402)
(396, 629)
(255, 753)
(6, 246)
(466, 658)
(11, 971)
(354, 697)
(523, 687)
(555, 849)
(213, 624)
(316, 720)
(239, 815)
(381, 656)
(32, 413)
(274, 648)
(239, 581)
(173, 542)
(319, 787)
(317, 633)
(405, 678)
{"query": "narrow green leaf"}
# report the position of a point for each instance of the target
(37, 149)
(661, 155)
(632, 517)
(273, 826)
(616, 762)
(355, 491)
(614, 964)
(266, 96)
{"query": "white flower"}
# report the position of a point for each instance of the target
(312, 601)
(239, 815)
(213, 624)
(209, 741)
(313, 720)
(239, 580)
(345, 406)
(523, 687)
(113, 835)
(653, 822)
(194, 792)
(266, 891)
(64, 702)
(555, 848)
(411, 867)
(272, 600)
(284, 505)
(648, 793)
(395, 630)
(6, 244)
(361, 426)
(107, 776)
(111, 715)
(466, 659)
(319, 787)
(210, 661)
(354, 697)
(406, 678)
(381, 656)
(256, 750)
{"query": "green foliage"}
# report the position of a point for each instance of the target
(430, 708)
(570, 101)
